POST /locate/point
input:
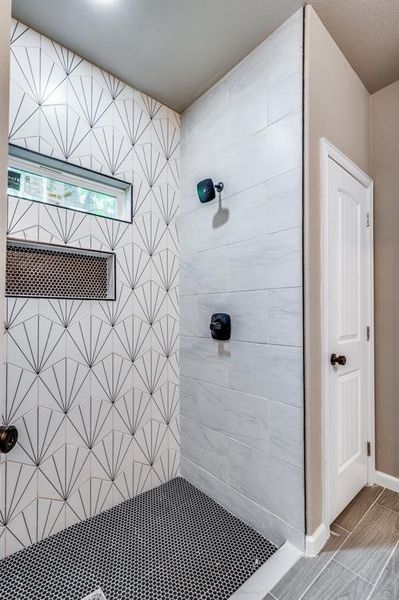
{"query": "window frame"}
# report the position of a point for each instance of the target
(47, 166)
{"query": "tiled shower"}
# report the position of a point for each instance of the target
(91, 386)
(113, 398)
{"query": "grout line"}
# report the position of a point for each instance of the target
(366, 513)
(242, 291)
(273, 596)
(382, 571)
(234, 244)
(272, 344)
(244, 240)
(340, 527)
(225, 291)
(352, 571)
(246, 444)
(264, 508)
(323, 569)
(339, 548)
(226, 387)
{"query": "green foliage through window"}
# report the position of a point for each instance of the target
(41, 188)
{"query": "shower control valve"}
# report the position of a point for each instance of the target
(8, 438)
(220, 326)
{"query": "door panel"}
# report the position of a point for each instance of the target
(349, 434)
(348, 206)
(348, 267)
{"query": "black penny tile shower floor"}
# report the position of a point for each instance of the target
(171, 543)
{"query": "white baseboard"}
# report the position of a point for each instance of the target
(266, 577)
(314, 543)
(387, 481)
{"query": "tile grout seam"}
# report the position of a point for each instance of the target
(339, 548)
(382, 571)
(352, 571)
(270, 512)
(224, 435)
(242, 291)
(263, 236)
(321, 571)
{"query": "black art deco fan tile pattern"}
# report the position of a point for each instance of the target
(170, 543)
(92, 386)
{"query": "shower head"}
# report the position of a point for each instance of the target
(206, 190)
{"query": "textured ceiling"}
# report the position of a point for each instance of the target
(173, 50)
(367, 31)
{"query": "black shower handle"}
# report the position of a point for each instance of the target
(8, 438)
(220, 326)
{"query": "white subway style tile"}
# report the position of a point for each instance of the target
(269, 482)
(241, 416)
(242, 401)
(204, 359)
(286, 433)
(271, 371)
(206, 447)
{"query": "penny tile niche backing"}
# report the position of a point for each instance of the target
(91, 385)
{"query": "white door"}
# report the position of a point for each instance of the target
(348, 318)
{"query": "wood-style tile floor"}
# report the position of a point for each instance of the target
(360, 561)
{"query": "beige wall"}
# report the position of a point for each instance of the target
(385, 169)
(5, 25)
(337, 108)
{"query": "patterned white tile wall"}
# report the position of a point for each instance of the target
(241, 401)
(91, 386)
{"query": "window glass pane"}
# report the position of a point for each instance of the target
(41, 188)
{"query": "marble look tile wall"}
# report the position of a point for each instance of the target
(91, 386)
(241, 401)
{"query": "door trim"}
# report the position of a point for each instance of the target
(329, 151)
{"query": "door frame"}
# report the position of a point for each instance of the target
(327, 152)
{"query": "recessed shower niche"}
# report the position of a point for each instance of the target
(37, 270)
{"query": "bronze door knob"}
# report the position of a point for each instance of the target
(338, 360)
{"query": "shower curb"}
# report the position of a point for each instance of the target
(269, 574)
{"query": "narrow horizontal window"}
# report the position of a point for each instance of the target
(40, 178)
(36, 270)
